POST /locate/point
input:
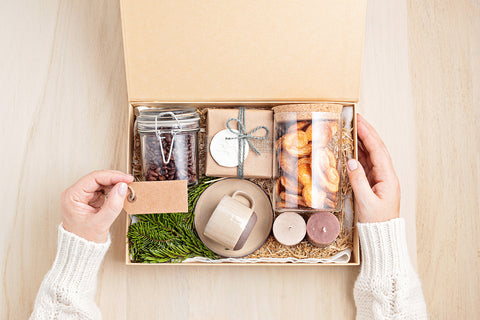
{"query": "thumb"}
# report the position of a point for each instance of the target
(358, 180)
(113, 204)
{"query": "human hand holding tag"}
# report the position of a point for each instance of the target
(91, 205)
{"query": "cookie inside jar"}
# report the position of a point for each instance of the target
(307, 157)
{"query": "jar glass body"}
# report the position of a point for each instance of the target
(307, 161)
(169, 146)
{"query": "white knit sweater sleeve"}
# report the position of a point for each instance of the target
(68, 289)
(388, 286)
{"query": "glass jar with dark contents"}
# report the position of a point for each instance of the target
(169, 143)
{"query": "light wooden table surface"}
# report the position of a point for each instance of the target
(62, 84)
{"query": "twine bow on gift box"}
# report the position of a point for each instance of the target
(243, 136)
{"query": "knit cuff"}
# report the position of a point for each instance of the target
(77, 262)
(384, 248)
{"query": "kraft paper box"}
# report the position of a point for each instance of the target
(255, 166)
(259, 54)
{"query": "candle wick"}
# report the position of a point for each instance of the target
(324, 229)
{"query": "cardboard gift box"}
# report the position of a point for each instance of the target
(255, 165)
(251, 53)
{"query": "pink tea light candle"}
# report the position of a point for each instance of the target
(322, 229)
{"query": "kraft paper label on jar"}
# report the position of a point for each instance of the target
(156, 197)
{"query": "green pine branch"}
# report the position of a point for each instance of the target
(168, 237)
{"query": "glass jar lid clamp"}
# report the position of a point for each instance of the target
(173, 131)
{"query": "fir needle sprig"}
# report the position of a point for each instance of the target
(169, 237)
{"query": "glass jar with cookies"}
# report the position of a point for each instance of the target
(307, 157)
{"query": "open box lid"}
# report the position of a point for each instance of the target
(216, 50)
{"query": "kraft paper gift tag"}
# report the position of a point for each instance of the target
(156, 197)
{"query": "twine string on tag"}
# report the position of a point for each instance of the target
(131, 196)
(243, 136)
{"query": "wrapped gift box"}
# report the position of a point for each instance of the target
(255, 165)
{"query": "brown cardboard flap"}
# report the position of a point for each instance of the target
(217, 50)
(157, 197)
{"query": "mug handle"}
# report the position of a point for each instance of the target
(247, 196)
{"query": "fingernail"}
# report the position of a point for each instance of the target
(352, 164)
(122, 189)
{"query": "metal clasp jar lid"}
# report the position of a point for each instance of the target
(166, 119)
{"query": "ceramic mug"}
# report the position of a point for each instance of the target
(232, 221)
